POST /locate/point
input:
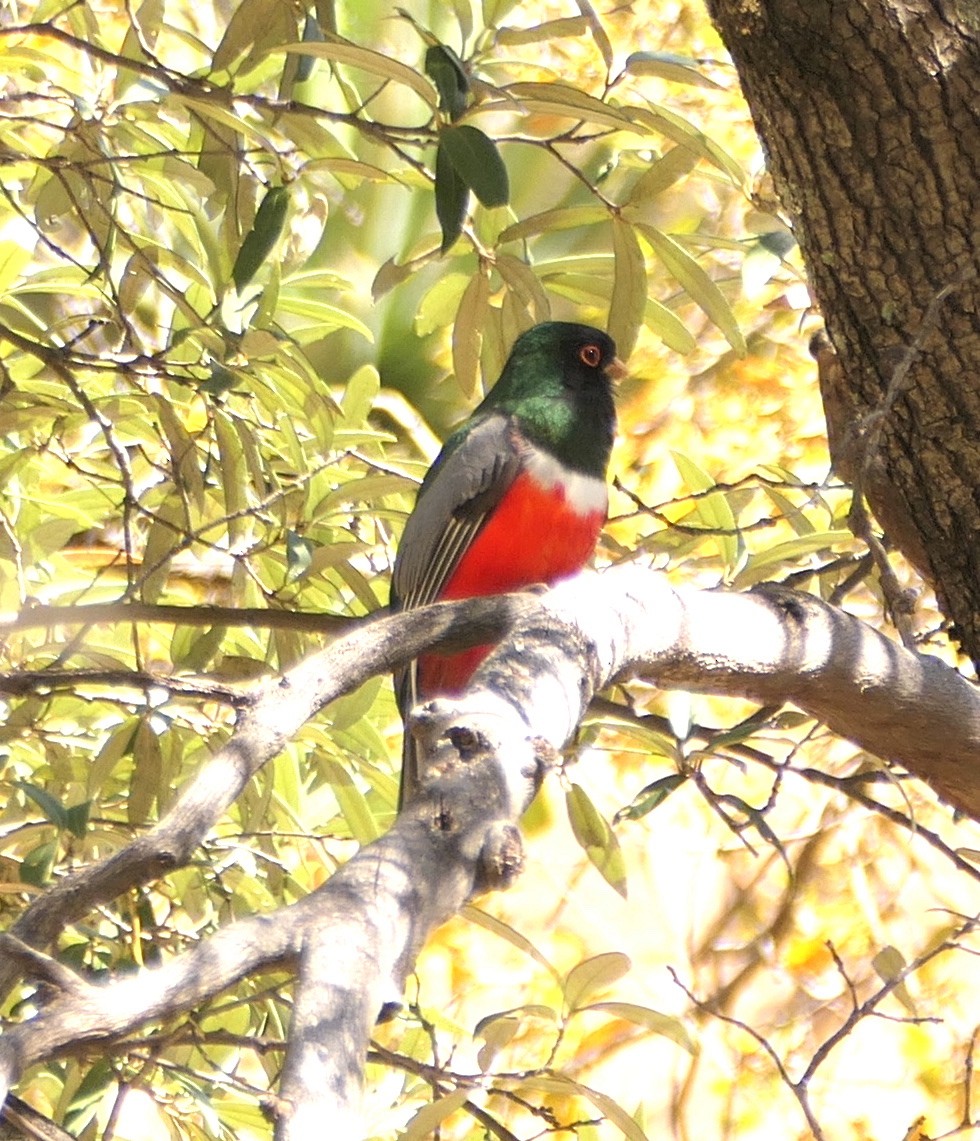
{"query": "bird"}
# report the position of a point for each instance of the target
(516, 497)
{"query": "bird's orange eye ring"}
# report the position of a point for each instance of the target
(590, 355)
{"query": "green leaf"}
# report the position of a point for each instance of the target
(596, 838)
(612, 1111)
(673, 126)
(889, 964)
(468, 332)
(629, 296)
(144, 786)
(524, 283)
(116, 746)
(793, 514)
(696, 283)
(311, 34)
(76, 818)
(360, 393)
(667, 65)
(549, 30)
(452, 198)
(712, 512)
(255, 27)
(445, 69)
(592, 975)
(668, 327)
(477, 161)
(325, 317)
(761, 566)
(570, 102)
(261, 240)
(650, 797)
(51, 808)
(339, 50)
(438, 305)
(496, 1032)
(662, 174)
(355, 809)
(599, 34)
(35, 867)
(299, 555)
(548, 221)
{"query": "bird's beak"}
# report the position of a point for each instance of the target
(616, 369)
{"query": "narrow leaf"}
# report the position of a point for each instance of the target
(760, 566)
(504, 931)
(549, 30)
(596, 838)
(356, 811)
(668, 327)
(51, 808)
(431, 1116)
(468, 332)
(629, 296)
(562, 218)
(562, 99)
(261, 240)
(650, 797)
(339, 50)
(663, 173)
(666, 65)
(696, 283)
(523, 282)
(664, 1024)
(452, 196)
(144, 785)
(445, 69)
(598, 32)
(477, 162)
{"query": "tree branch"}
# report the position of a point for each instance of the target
(272, 713)
(484, 754)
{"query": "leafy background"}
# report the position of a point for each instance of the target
(244, 291)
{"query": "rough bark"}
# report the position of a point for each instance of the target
(869, 111)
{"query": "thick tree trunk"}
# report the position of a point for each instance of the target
(870, 113)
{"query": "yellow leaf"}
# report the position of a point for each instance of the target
(468, 332)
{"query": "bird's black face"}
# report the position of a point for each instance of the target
(589, 359)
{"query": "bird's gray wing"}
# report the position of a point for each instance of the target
(468, 479)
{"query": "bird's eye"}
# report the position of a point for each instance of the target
(590, 355)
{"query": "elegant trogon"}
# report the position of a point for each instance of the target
(517, 496)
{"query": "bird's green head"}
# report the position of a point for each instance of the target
(557, 383)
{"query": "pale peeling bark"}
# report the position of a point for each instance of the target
(869, 111)
(355, 939)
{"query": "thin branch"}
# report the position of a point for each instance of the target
(870, 1005)
(257, 617)
(799, 1092)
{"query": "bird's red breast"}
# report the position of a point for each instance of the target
(544, 529)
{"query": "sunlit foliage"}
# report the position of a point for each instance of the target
(254, 261)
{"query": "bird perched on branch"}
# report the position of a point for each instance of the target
(516, 497)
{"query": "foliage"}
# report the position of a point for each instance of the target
(240, 248)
